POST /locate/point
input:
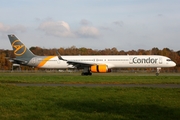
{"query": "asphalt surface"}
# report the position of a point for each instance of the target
(96, 85)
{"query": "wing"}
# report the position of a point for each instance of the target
(76, 64)
(80, 65)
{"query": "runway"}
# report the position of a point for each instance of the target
(96, 85)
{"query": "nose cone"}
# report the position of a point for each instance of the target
(173, 64)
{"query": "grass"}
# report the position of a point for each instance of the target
(109, 78)
(69, 103)
(97, 103)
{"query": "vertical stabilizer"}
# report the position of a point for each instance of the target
(19, 49)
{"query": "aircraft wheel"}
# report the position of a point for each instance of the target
(86, 73)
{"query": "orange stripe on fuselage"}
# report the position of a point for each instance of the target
(44, 61)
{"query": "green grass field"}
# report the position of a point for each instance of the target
(107, 78)
(81, 103)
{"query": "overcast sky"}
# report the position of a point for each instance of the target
(96, 24)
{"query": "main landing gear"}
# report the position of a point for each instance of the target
(86, 72)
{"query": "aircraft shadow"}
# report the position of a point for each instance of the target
(123, 110)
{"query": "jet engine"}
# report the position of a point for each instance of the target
(100, 68)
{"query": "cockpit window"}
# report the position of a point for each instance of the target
(168, 60)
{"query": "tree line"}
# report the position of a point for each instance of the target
(174, 55)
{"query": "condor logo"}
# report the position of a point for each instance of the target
(144, 60)
(19, 48)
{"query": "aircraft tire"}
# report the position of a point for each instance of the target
(86, 73)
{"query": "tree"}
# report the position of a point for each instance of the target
(155, 51)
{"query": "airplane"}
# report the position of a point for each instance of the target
(88, 63)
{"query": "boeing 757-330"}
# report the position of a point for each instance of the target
(88, 63)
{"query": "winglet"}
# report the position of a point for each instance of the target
(59, 56)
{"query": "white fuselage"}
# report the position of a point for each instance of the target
(112, 61)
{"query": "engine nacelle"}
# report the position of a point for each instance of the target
(100, 68)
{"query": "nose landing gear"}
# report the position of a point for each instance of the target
(158, 71)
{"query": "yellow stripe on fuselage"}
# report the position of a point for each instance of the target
(44, 61)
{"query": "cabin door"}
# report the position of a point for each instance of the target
(160, 60)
